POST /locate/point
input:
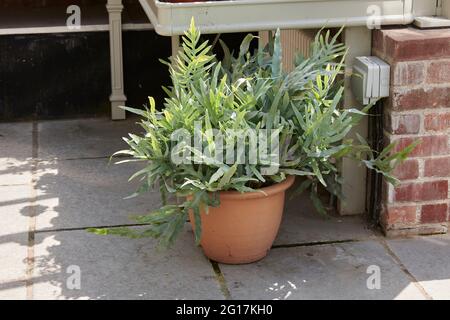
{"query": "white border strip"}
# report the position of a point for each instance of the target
(65, 29)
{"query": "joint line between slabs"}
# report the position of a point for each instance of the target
(318, 243)
(33, 214)
(221, 280)
(405, 270)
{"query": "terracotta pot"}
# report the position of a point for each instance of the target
(243, 228)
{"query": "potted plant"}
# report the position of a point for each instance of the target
(232, 136)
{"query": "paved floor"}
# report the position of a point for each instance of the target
(55, 181)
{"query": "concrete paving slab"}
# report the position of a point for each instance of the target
(89, 193)
(14, 290)
(15, 153)
(428, 260)
(13, 260)
(83, 138)
(15, 172)
(336, 271)
(120, 268)
(302, 224)
(15, 208)
(15, 140)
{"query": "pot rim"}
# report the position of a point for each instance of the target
(268, 191)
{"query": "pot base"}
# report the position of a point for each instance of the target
(236, 260)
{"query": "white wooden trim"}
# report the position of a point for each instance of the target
(65, 29)
(117, 97)
(260, 15)
(359, 42)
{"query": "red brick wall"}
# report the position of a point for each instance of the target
(418, 108)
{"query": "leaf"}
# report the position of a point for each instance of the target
(301, 188)
(277, 56)
(119, 231)
(318, 173)
(245, 45)
(142, 189)
(139, 112)
(255, 171)
(217, 175)
(318, 203)
(227, 176)
(226, 62)
(198, 225)
(172, 229)
(356, 111)
(295, 172)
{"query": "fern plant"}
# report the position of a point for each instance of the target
(242, 93)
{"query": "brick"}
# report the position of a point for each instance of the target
(434, 213)
(439, 72)
(407, 170)
(421, 98)
(439, 167)
(430, 145)
(408, 73)
(399, 215)
(403, 124)
(437, 121)
(405, 44)
(419, 229)
(426, 191)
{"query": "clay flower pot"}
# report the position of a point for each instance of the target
(243, 228)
